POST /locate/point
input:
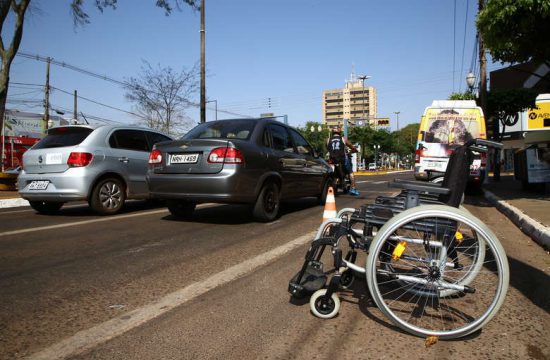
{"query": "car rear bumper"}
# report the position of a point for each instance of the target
(62, 186)
(227, 186)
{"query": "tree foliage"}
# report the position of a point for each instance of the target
(468, 95)
(516, 31)
(161, 96)
(80, 17)
(316, 138)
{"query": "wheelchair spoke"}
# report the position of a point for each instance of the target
(449, 284)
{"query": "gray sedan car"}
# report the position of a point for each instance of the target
(103, 164)
(255, 161)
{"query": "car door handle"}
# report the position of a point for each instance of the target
(124, 160)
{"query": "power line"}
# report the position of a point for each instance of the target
(106, 78)
(98, 103)
(464, 42)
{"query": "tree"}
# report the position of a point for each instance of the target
(516, 31)
(316, 138)
(162, 95)
(80, 17)
(468, 95)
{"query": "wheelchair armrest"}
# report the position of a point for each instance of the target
(420, 186)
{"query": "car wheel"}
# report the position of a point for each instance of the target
(46, 207)
(181, 208)
(267, 205)
(322, 198)
(108, 196)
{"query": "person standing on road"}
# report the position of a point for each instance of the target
(336, 145)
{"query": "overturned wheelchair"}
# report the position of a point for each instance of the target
(431, 267)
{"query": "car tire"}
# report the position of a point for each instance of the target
(108, 196)
(46, 207)
(268, 203)
(322, 198)
(181, 208)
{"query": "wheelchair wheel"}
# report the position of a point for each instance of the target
(435, 270)
(346, 279)
(323, 306)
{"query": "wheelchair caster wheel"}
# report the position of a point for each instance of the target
(323, 306)
(346, 279)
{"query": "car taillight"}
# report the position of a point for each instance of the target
(155, 157)
(483, 159)
(79, 159)
(417, 155)
(226, 155)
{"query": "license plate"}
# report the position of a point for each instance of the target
(184, 158)
(39, 185)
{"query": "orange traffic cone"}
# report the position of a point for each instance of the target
(330, 205)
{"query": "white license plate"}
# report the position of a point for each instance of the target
(39, 185)
(184, 158)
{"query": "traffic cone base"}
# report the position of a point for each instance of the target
(330, 205)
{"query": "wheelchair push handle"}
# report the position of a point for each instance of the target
(482, 145)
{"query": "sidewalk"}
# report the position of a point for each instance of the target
(529, 210)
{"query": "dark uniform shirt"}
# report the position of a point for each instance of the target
(337, 147)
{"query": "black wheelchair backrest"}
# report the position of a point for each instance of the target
(456, 176)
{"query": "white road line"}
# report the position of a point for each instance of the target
(76, 223)
(32, 210)
(88, 339)
(84, 222)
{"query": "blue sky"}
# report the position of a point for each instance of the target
(286, 50)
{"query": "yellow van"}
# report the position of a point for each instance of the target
(444, 126)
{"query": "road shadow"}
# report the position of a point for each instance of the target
(80, 209)
(237, 214)
(531, 282)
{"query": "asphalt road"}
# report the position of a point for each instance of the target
(143, 285)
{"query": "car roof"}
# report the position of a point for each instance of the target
(106, 126)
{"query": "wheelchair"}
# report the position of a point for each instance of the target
(431, 267)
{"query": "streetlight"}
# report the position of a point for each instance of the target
(363, 78)
(216, 106)
(376, 148)
(470, 81)
(319, 128)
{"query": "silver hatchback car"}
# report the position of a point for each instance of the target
(102, 164)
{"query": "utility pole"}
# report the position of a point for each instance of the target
(483, 99)
(397, 115)
(482, 68)
(75, 113)
(47, 94)
(203, 67)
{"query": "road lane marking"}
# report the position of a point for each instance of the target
(76, 223)
(84, 222)
(88, 339)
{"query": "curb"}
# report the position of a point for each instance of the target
(15, 202)
(535, 230)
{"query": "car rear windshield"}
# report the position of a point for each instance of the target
(226, 129)
(60, 137)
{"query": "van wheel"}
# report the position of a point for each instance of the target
(181, 208)
(108, 196)
(267, 205)
(46, 207)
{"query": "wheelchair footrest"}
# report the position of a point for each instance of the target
(313, 279)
